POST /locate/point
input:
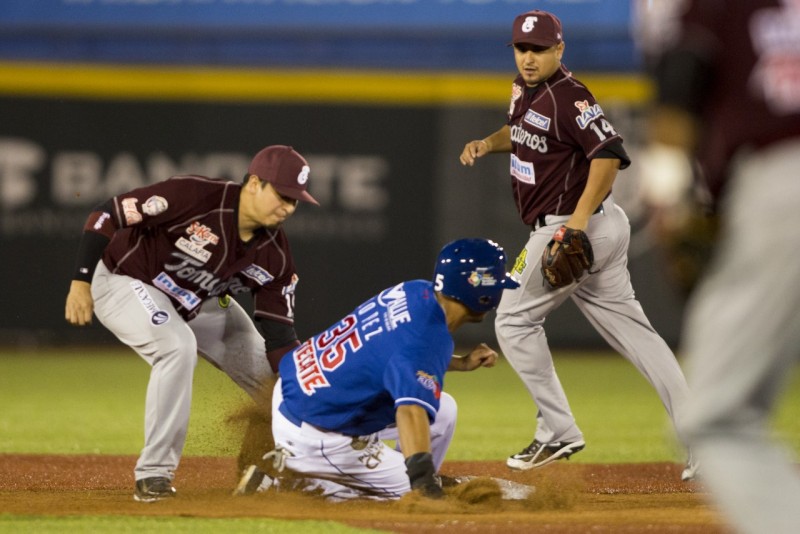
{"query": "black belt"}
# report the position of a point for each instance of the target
(540, 219)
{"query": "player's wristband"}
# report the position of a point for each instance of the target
(90, 251)
(422, 474)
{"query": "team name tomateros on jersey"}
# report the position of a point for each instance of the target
(189, 269)
(523, 137)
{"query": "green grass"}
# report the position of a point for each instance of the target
(619, 413)
(173, 525)
(78, 403)
(93, 402)
(68, 402)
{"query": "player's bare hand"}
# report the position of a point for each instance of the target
(80, 304)
(480, 356)
(472, 151)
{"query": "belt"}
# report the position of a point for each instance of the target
(541, 219)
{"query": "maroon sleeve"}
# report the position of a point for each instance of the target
(275, 300)
(584, 122)
(164, 202)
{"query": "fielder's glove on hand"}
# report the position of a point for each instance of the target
(573, 256)
(422, 475)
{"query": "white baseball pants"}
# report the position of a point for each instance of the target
(346, 467)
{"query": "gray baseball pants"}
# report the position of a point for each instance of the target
(226, 337)
(742, 342)
(607, 300)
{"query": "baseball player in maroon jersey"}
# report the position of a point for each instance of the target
(157, 266)
(565, 155)
(728, 80)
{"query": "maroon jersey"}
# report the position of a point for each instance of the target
(181, 236)
(556, 128)
(754, 99)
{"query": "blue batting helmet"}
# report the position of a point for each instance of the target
(473, 272)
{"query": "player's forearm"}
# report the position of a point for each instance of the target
(602, 172)
(499, 141)
(414, 429)
(480, 356)
(90, 250)
(97, 232)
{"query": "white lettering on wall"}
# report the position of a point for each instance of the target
(76, 178)
(352, 190)
(20, 159)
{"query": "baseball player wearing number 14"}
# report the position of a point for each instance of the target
(565, 155)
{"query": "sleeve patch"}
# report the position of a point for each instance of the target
(587, 114)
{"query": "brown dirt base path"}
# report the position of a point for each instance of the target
(574, 498)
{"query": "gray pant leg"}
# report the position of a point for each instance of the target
(125, 306)
(229, 340)
(519, 327)
(606, 298)
(742, 339)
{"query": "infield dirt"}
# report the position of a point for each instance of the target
(569, 497)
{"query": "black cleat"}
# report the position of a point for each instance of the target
(538, 454)
(153, 489)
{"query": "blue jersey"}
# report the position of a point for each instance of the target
(393, 349)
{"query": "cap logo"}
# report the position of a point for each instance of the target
(302, 178)
(527, 26)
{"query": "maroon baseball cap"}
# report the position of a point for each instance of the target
(538, 28)
(285, 169)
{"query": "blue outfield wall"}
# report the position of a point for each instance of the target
(387, 34)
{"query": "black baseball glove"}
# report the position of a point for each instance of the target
(573, 256)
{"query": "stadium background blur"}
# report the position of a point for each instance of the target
(101, 96)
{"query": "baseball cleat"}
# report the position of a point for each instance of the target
(538, 454)
(690, 472)
(253, 480)
(153, 489)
